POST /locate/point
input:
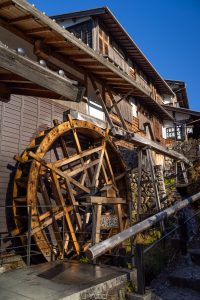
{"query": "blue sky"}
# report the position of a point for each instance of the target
(167, 31)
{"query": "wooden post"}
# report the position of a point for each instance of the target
(139, 200)
(184, 172)
(115, 104)
(100, 98)
(139, 261)
(183, 234)
(155, 186)
(28, 259)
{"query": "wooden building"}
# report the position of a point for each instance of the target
(186, 121)
(84, 61)
(100, 30)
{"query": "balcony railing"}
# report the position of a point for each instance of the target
(122, 64)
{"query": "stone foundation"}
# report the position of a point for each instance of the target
(168, 194)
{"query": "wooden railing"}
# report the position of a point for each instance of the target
(121, 63)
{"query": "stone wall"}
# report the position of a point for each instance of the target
(168, 194)
(167, 191)
(190, 148)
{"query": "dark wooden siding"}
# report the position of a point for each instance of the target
(20, 120)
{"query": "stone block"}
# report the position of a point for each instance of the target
(135, 296)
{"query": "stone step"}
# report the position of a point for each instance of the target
(195, 255)
(186, 277)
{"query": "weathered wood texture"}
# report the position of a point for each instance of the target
(74, 50)
(32, 71)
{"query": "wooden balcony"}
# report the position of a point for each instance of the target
(117, 59)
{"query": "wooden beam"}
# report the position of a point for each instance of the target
(32, 71)
(4, 92)
(6, 5)
(100, 98)
(38, 30)
(20, 19)
(137, 139)
(155, 186)
(105, 200)
(115, 104)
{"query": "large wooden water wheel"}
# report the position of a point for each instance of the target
(75, 182)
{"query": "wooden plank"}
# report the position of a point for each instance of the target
(155, 186)
(105, 200)
(32, 71)
(98, 209)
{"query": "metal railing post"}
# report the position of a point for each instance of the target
(28, 261)
(183, 235)
(139, 262)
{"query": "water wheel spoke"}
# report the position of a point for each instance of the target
(95, 181)
(78, 146)
(46, 219)
(73, 202)
(48, 203)
(109, 167)
(64, 161)
(60, 200)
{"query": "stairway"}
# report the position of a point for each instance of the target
(182, 281)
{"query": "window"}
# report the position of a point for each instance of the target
(95, 110)
(189, 130)
(134, 108)
(83, 31)
(170, 132)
